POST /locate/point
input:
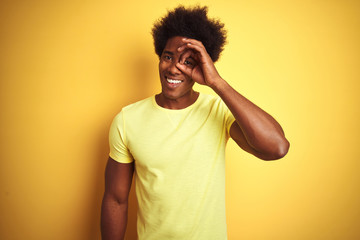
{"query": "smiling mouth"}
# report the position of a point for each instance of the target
(173, 81)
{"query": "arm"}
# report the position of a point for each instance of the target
(118, 177)
(255, 131)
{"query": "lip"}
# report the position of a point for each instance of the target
(171, 82)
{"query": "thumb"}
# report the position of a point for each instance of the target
(184, 69)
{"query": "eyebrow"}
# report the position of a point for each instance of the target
(168, 52)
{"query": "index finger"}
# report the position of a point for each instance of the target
(193, 42)
(187, 54)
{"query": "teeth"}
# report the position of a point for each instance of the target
(173, 81)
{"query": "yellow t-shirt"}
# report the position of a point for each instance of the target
(180, 166)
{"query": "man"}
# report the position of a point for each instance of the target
(176, 140)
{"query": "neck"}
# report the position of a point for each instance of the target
(178, 103)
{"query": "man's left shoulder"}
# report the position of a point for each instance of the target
(211, 100)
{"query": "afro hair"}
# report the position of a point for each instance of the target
(191, 23)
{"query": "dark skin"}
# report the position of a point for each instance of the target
(185, 61)
(118, 177)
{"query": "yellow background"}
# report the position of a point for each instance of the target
(67, 67)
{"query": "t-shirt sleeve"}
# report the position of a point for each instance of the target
(229, 119)
(117, 141)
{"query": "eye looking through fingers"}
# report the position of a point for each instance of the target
(189, 63)
(188, 59)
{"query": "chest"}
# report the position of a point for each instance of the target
(161, 139)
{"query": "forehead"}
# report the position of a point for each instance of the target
(173, 43)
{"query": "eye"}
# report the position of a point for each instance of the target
(167, 58)
(188, 62)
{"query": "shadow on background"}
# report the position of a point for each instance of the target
(142, 68)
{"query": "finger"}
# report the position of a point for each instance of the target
(184, 69)
(200, 52)
(196, 47)
(187, 54)
(195, 44)
(193, 48)
(182, 48)
(193, 41)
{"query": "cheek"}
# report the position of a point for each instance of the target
(162, 66)
(189, 79)
(190, 83)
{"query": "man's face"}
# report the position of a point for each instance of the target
(174, 83)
